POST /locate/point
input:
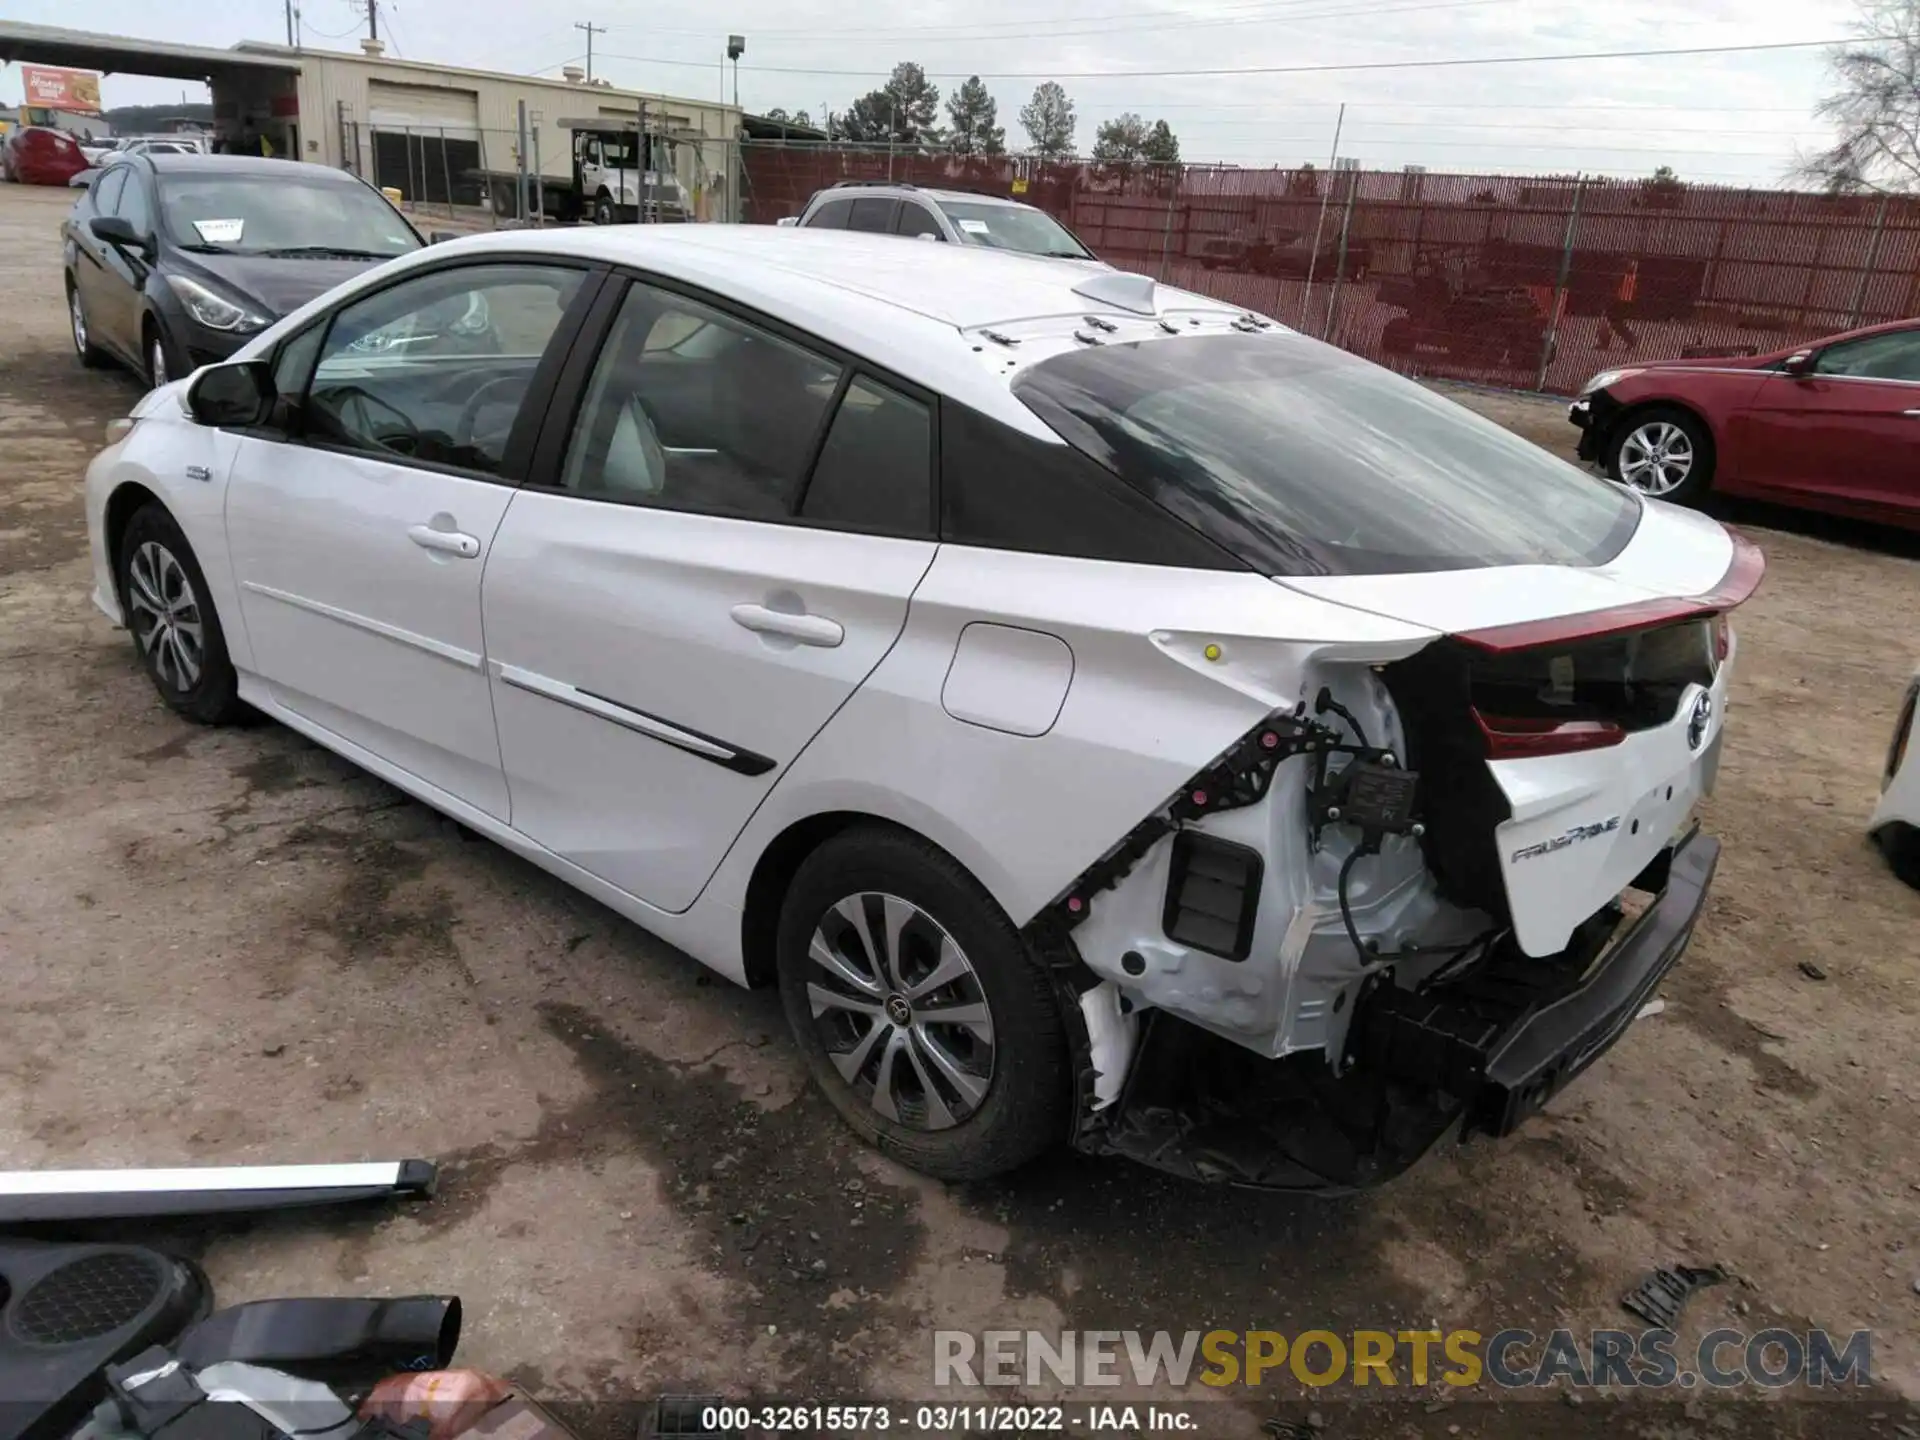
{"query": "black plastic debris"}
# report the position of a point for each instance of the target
(1812, 971)
(1659, 1298)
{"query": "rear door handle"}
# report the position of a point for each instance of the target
(807, 629)
(451, 542)
(1912, 414)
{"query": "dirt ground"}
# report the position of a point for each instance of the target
(229, 946)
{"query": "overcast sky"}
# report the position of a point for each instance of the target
(1732, 117)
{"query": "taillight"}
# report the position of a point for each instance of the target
(1741, 580)
(1512, 737)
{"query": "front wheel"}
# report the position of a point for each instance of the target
(603, 213)
(1666, 453)
(918, 1008)
(170, 614)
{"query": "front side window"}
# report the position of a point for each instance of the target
(435, 368)
(1014, 227)
(106, 191)
(286, 216)
(692, 409)
(1893, 356)
(1302, 460)
(132, 206)
(916, 219)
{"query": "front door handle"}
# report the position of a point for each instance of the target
(451, 542)
(807, 629)
(1911, 414)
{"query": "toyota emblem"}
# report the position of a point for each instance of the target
(1702, 718)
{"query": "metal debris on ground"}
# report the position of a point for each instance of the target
(1658, 1299)
(1812, 971)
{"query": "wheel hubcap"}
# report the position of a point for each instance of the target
(1656, 458)
(79, 314)
(901, 1011)
(165, 617)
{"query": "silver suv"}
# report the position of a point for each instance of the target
(961, 217)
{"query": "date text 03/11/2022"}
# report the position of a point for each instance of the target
(941, 1419)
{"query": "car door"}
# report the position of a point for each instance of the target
(358, 538)
(1848, 431)
(94, 278)
(712, 552)
(131, 267)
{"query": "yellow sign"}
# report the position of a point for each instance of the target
(1019, 187)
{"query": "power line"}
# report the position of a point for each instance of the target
(1017, 26)
(1228, 72)
(1512, 125)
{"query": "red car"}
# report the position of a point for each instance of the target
(1831, 425)
(37, 155)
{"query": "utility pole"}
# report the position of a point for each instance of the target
(592, 30)
(290, 24)
(373, 19)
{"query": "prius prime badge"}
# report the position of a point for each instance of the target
(1702, 718)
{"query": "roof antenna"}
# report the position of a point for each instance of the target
(1133, 293)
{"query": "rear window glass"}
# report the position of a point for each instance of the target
(1302, 460)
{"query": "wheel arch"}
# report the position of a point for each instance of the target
(780, 861)
(127, 499)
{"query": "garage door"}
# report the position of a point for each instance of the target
(426, 141)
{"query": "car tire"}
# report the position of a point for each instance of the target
(603, 212)
(1659, 432)
(1900, 843)
(170, 615)
(154, 354)
(875, 886)
(91, 355)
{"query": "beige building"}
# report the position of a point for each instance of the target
(433, 132)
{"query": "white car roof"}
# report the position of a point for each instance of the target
(921, 310)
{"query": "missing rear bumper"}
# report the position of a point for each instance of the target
(1478, 1055)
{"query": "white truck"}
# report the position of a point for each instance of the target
(605, 185)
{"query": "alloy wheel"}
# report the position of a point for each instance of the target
(156, 362)
(900, 1011)
(165, 616)
(1656, 458)
(78, 314)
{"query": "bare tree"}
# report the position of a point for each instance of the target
(1875, 106)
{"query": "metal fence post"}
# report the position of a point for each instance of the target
(1866, 271)
(520, 166)
(1172, 174)
(1551, 344)
(1340, 263)
(540, 185)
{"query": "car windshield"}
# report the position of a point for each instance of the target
(282, 214)
(1303, 460)
(1014, 227)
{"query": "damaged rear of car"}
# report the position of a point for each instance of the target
(1443, 868)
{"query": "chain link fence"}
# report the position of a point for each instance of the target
(1523, 282)
(477, 178)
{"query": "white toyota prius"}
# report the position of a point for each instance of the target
(1108, 716)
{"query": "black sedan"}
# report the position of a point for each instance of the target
(174, 260)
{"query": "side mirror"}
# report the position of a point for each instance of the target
(233, 396)
(787, 221)
(440, 237)
(1799, 365)
(116, 231)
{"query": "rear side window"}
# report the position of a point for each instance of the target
(830, 215)
(876, 470)
(1302, 460)
(872, 214)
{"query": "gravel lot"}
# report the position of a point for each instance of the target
(228, 946)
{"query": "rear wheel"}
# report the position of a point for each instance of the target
(170, 614)
(919, 1009)
(91, 355)
(1665, 453)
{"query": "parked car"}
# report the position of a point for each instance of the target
(174, 261)
(1896, 820)
(1103, 712)
(40, 155)
(962, 217)
(1833, 425)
